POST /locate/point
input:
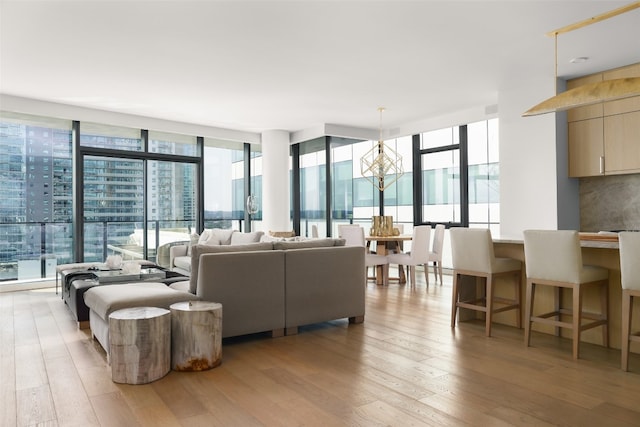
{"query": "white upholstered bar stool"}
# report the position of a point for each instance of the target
(630, 274)
(554, 258)
(473, 255)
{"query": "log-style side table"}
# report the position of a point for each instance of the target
(196, 335)
(139, 344)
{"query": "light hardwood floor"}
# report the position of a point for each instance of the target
(403, 366)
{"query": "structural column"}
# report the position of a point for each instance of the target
(275, 181)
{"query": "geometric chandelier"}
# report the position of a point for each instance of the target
(381, 165)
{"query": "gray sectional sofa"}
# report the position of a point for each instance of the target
(271, 287)
(279, 286)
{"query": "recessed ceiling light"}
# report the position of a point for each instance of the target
(579, 59)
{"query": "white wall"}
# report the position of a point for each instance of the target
(275, 181)
(532, 176)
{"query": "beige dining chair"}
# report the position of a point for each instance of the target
(554, 258)
(473, 255)
(630, 274)
(419, 254)
(354, 236)
(435, 255)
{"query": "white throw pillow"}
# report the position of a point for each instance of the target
(238, 238)
(223, 235)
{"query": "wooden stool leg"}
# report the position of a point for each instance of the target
(489, 304)
(604, 309)
(518, 298)
(577, 317)
(627, 299)
(528, 308)
(454, 299)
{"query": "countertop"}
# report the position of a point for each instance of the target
(585, 241)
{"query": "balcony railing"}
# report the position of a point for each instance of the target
(32, 250)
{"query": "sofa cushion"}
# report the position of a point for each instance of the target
(182, 262)
(198, 250)
(238, 238)
(106, 299)
(310, 243)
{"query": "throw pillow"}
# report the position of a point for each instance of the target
(223, 235)
(238, 238)
(205, 236)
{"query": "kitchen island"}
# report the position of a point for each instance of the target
(596, 250)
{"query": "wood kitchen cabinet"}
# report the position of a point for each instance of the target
(622, 143)
(604, 138)
(586, 147)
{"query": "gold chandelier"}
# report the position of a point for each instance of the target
(607, 90)
(381, 165)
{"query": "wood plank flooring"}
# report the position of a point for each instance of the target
(403, 366)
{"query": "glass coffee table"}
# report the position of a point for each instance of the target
(115, 276)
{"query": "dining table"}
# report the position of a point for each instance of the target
(383, 246)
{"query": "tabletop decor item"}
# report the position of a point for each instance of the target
(113, 262)
(383, 226)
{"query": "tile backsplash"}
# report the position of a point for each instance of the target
(610, 203)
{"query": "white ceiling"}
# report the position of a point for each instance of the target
(260, 65)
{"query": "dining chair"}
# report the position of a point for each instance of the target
(629, 242)
(419, 254)
(435, 255)
(554, 258)
(354, 236)
(473, 255)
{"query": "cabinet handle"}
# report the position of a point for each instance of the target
(601, 165)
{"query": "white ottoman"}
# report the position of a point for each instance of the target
(104, 300)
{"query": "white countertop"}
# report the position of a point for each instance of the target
(583, 243)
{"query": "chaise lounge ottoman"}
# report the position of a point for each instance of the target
(103, 300)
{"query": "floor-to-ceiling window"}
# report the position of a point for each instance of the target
(139, 192)
(484, 175)
(460, 175)
(313, 187)
(36, 193)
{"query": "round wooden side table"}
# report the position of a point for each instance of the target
(139, 344)
(196, 335)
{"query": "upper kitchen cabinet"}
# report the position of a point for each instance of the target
(604, 138)
(586, 147)
(622, 143)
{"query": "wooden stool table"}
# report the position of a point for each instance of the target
(196, 335)
(139, 344)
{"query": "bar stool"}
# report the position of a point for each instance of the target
(472, 250)
(630, 274)
(554, 258)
